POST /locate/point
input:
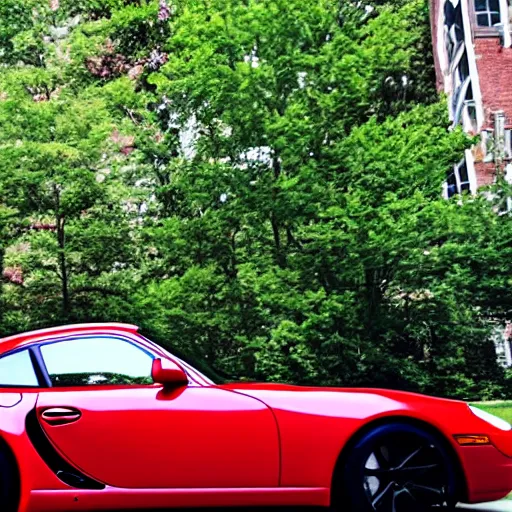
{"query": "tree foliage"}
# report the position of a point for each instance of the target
(256, 183)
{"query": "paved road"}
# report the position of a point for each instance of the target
(499, 506)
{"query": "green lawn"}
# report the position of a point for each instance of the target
(500, 409)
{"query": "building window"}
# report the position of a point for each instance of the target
(453, 32)
(471, 119)
(487, 13)
(458, 181)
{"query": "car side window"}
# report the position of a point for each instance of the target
(17, 370)
(96, 360)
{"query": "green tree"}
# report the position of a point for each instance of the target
(54, 153)
(257, 184)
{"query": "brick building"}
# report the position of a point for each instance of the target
(473, 58)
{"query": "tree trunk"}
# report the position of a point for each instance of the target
(61, 236)
(372, 299)
(277, 241)
(60, 223)
(280, 257)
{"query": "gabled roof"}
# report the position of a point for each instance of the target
(12, 342)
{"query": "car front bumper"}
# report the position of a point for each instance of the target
(488, 470)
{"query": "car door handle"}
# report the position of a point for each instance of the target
(60, 415)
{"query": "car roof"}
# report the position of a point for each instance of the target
(26, 338)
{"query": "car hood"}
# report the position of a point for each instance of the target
(357, 403)
(289, 389)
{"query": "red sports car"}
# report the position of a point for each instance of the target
(97, 417)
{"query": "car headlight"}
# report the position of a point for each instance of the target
(490, 418)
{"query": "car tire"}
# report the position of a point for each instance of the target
(9, 482)
(398, 467)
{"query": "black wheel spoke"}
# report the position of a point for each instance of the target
(393, 502)
(404, 473)
(405, 501)
(416, 471)
(381, 460)
(426, 467)
(409, 494)
(425, 488)
(380, 495)
(409, 457)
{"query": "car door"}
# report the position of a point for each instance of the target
(108, 419)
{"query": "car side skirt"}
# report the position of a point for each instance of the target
(112, 498)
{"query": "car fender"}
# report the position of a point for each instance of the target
(316, 424)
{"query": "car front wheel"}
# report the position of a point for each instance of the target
(399, 468)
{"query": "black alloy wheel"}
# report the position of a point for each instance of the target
(399, 468)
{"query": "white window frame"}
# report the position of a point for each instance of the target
(505, 21)
(488, 12)
(508, 179)
(508, 144)
(471, 180)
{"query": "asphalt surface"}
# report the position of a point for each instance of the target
(498, 506)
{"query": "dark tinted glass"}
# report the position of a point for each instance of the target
(494, 5)
(482, 20)
(463, 68)
(463, 173)
(459, 34)
(451, 185)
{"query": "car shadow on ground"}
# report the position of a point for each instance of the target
(500, 506)
(238, 509)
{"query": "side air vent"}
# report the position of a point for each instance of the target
(62, 469)
(72, 479)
